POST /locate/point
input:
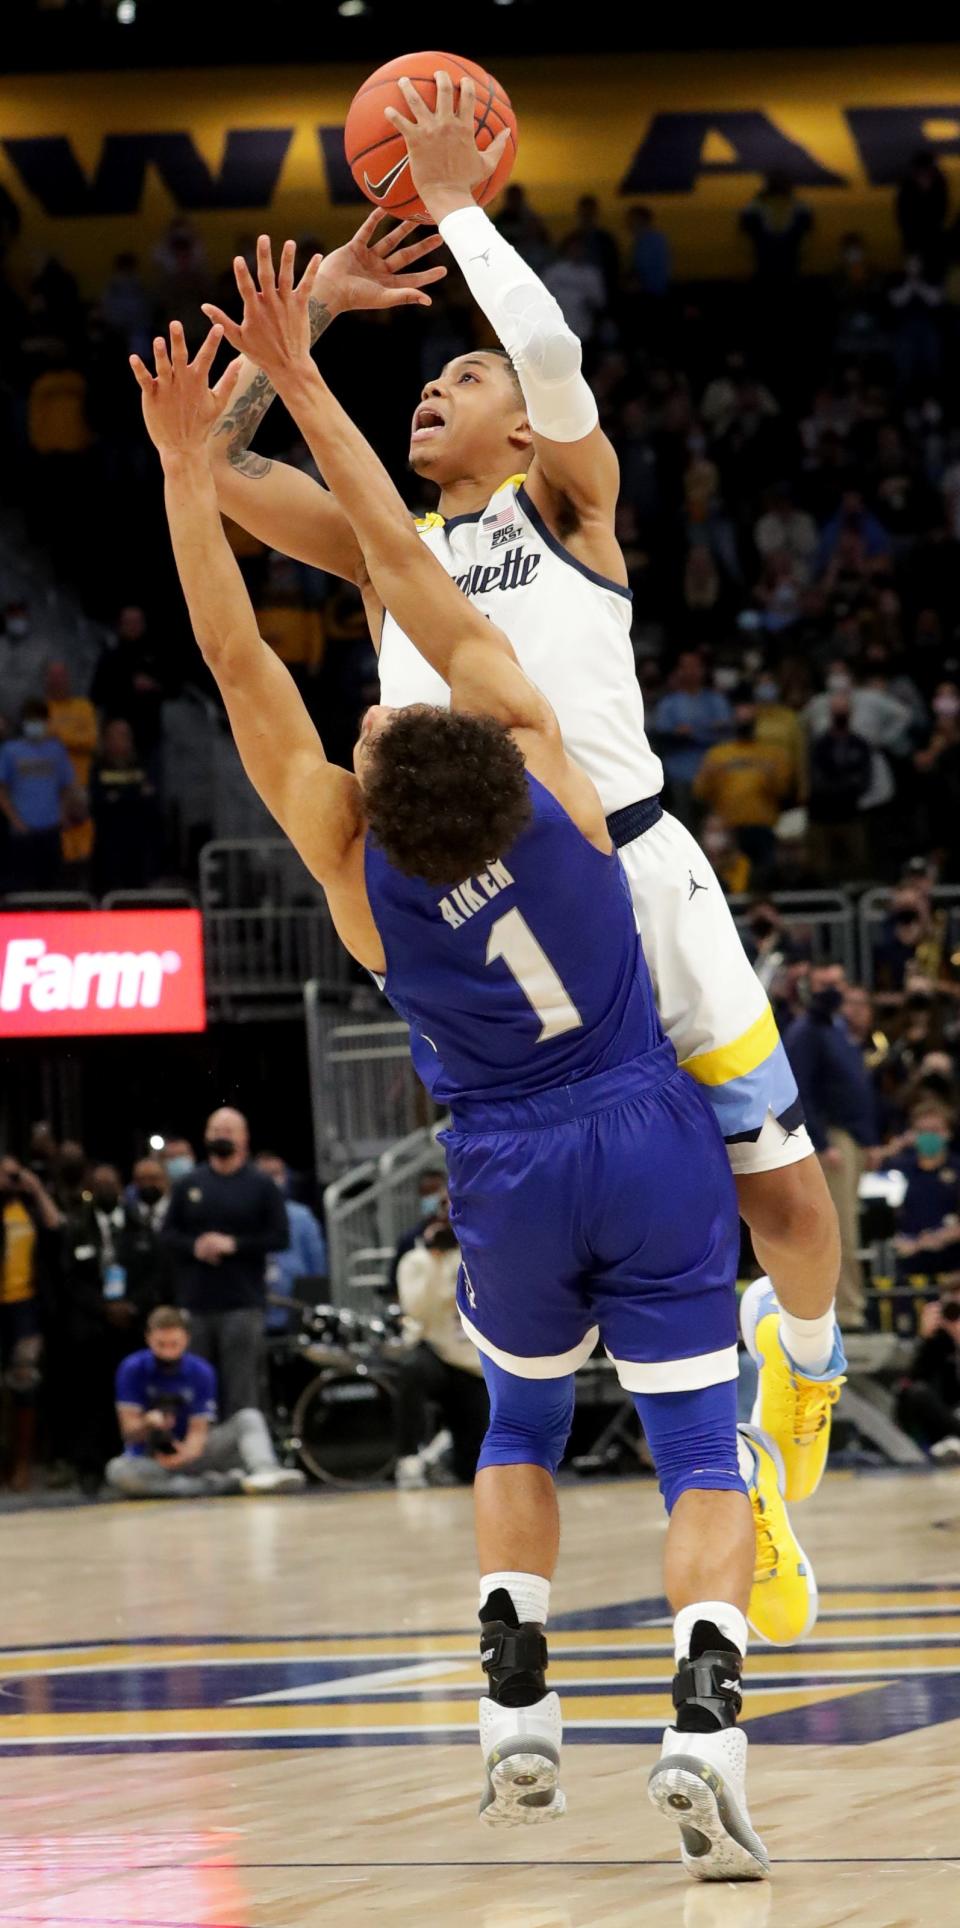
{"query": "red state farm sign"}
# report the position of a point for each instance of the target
(78, 973)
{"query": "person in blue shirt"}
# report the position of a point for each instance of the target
(36, 777)
(173, 1447)
(306, 1254)
(687, 722)
(927, 1239)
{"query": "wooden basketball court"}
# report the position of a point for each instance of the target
(260, 1714)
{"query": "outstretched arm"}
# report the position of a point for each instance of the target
(471, 654)
(275, 502)
(574, 463)
(317, 804)
(408, 580)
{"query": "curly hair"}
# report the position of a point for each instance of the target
(445, 793)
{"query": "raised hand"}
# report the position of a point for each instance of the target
(278, 317)
(374, 274)
(442, 143)
(180, 408)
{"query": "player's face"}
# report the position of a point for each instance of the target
(469, 422)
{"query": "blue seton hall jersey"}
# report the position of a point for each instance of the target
(523, 978)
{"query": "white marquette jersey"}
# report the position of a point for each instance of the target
(569, 627)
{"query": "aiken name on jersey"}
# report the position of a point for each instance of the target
(474, 895)
(514, 571)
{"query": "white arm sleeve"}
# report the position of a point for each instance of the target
(527, 320)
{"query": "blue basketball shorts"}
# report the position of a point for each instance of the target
(605, 1209)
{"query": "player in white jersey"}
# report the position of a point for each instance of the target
(528, 487)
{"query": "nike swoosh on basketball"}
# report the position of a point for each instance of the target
(379, 188)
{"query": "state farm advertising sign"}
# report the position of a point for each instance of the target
(80, 973)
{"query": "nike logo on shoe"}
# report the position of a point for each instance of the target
(379, 188)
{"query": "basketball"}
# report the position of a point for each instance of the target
(377, 153)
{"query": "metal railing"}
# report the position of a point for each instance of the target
(251, 873)
(368, 1211)
(365, 1092)
(256, 955)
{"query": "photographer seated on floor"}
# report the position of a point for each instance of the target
(173, 1446)
(442, 1370)
(928, 1402)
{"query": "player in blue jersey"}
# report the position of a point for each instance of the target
(467, 862)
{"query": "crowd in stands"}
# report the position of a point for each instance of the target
(790, 513)
(197, 1259)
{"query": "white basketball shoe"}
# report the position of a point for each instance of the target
(699, 1782)
(521, 1757)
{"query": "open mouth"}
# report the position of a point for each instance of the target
(427, 421)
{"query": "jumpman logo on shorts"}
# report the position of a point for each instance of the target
(694, 886)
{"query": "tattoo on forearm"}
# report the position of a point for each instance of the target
(243, 418)
(248, 462)
(320, 318)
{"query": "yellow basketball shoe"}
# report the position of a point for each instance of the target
(793, 1407)
(783, 1600)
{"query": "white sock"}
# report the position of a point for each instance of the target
(729, 1620)
(530, 1593)
(746, 1461)
(809, 1342)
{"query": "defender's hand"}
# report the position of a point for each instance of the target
(373, 274)
(277, 326)
(180, 408)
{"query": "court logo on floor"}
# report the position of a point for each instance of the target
(881, 1662)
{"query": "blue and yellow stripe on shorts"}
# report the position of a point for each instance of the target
(747, 1078)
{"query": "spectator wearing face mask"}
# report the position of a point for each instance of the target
(114, 1272)
(36, 779)
(745, 783)
(224, 1220)
(911, 944)
(178, 1157)
(840, 768)
(780, 726)
(432, 1188)
(24, 659)
(767, 942)
(305, 1258)
(149, 1195)
(875, 715)
(927, 1239)
(731, 864)
(687, 722)
(838, 1098)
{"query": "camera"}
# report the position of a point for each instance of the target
(440, 1237)
(158, 1440)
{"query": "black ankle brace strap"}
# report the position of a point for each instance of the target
(713, 1682)
(511, 1650)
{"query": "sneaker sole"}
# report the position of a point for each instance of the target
(715, 1842)
(523, 1790)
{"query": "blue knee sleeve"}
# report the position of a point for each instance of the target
(693, 1439)
(530, 1419)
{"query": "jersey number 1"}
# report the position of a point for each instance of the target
(512, 939)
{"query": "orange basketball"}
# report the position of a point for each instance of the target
(377, 154)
